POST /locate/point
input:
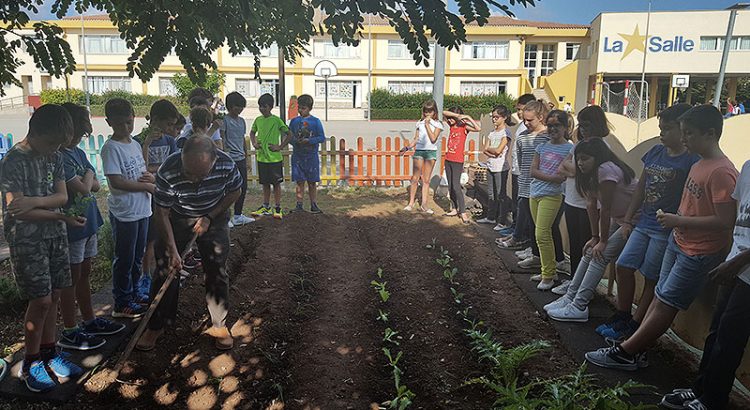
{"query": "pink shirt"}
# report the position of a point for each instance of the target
(608, 171)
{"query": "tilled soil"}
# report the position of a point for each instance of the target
(304, 319)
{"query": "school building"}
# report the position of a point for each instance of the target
(579, 64)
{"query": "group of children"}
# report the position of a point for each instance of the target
(672, 224)
(51, 218)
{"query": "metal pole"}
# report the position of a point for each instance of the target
(369, 67)
(438, 89)
(643, 77)
(282, 86)
(85, 67)
(724, 57)
(326, 81)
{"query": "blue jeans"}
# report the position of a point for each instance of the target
(644, 252)
(127, 266)
(682, 276)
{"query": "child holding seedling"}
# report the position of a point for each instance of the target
(665, 169)
(425, 145)
(81, 182)
(307, 132)
(608, 184)
(546, 192)
(32, 182)
(460, 125)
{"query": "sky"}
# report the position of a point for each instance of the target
(562, 11)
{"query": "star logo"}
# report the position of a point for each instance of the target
(635, 42)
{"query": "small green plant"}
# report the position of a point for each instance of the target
(389, 336)
(450, 274)
(431, 245)
(380, 288)
(380, 273)
(403, 398)
(382, 316)
(80, 205)
(458, 297)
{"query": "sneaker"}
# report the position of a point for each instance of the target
(36, 377)
(315, 210)
(562, 288)
(532, 262)
(62, 367)
(695, 405)
(559, 303)
(486, 220)
(507, 231)
(242, 220)
(230, 224)
(277, 214)
(545, 284)
(678, 399)
(299, 208)
(499, 227)
(611, 321)
(563, 267)
(525, 253)
(3, 369)
(261, 211)
(512, 244)
(77, 339)
(189, 262)
(539, 278)
(612, 358)
(131, 311)
(183, 277)
(102, 327)
(620, 331)
(642, 360)
(569, 313)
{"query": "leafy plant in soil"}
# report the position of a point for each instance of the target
(80, 205)
(575, 391)
(380, 288)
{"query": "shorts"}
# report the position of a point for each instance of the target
(425, 154)
(683, 277)
(41, 266)
(270, 173)
(306, 169)
(644, 252)
(82, 249)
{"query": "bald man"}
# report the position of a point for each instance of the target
(194, 191)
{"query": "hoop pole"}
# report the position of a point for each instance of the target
(625, 98)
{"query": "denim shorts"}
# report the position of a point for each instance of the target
(82, 249)
(644, 252)
(425, 154)
(683, 277)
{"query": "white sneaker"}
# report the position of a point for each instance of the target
(499, 227)
(560, 302)
(564, 267)
(230, 224)
(546, 284)
(486, 221)
(539, 278)
(530, 263)
(569, 313)
(525, 253)
(562, 288)
(242, 220)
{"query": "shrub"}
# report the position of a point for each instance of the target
(141, 102)
(387, 105)
(184, 85)
(61, 96)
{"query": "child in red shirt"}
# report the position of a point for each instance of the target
(460, 125)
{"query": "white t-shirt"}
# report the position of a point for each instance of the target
(515, 169)
(424, 143)
(742, 225)
(495, 138)
(126, 160)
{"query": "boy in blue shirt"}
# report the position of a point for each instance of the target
(307, 132)
(32, 182)
(81, 182)
(665, 169)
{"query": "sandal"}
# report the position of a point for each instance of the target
(453, 212)
(408, 208)
(427, 211)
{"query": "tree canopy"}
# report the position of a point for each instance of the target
(194, 29)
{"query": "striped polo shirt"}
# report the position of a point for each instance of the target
(190, 199)
(526, 144)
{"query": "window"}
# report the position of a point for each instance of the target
(486, 50)
(571, 51)
(103, 45)
(716, 43)
(548, 59)
(326, 49)
(336, 89)
(398, 50)
(99, 85)
(246, 87)
(410, 87)
(272, 51)
(166, 87)
(529, 60)
(476, 88)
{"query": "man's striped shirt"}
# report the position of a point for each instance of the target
(190, 199)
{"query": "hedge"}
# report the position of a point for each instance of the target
(415, 113)
(74, 95)
(140, 110)
(382, 99)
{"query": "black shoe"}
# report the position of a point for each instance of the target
(314, 209)
(678, 399)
